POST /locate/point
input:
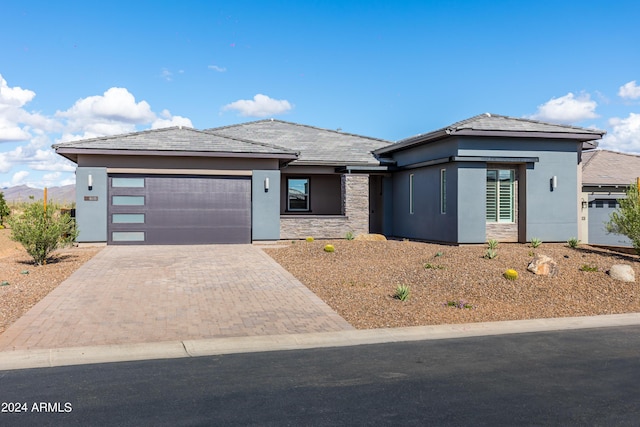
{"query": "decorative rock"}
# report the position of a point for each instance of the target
(543, 265)
(622, 272)
(370, 237)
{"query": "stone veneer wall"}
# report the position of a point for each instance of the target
(354, 218)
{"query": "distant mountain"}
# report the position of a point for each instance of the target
(22, 193)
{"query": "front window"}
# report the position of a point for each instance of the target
(443, 191)
(298, 194)
(500, 195)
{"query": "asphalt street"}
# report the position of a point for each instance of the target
(578, 377)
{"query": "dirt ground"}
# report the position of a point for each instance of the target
(359, 280)
(25, 283)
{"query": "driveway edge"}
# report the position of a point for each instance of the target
(27, 359)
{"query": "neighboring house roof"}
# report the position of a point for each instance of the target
(502, 126)
(316, 146)
(176, 141)
(609, 168)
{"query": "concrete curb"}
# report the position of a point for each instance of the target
(27, 359)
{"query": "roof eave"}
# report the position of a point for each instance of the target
(412, 141)
(577, 136)
(65, 152)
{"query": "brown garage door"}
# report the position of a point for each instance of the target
(170, 209)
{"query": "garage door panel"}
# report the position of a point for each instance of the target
(193, 218)
(216, 201)
(181, 210)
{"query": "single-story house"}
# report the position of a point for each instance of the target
(606, 175)
(485, 177)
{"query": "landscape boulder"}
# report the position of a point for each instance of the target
(543, 265)
(370, 237)
(622, 272)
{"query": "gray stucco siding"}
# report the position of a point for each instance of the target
(426, 222)
(424, 153)
(265, 205)
(91, 205)
(551, 215)
(170, 162)
(471, 202)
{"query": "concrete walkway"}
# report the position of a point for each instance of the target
(147, 294)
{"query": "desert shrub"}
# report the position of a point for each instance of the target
(4, 209)
(402, 292)
(349, 235)
(626, 219)
(493, 244)
(510, 274)
(491, 254)
(429, 266)
(309, 239)
(439, 254)
(535, 242)
(42, 231)
(586, 267)
(573, 242)
(458, 304)
(329, 248)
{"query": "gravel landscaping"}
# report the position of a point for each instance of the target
(28, 283)
(359, 280)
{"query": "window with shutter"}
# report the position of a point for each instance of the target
(500, 195)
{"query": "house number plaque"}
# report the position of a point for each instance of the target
(90, 198)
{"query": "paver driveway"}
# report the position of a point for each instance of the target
(136, 294)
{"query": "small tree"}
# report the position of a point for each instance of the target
(42, 231)
(4, 209)
(626, 219)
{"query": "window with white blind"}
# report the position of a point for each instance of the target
(500, 195)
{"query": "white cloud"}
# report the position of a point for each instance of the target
(259, 106)
(14, 96)
(217, 68)
(567, 109)
(10, 131)
(166, 74)
(19, 178)
(28, 135)
(624, 136)
(115, 105)
(5, 165)
(629, 90)
(167, 120)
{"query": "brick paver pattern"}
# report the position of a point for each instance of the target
(137, 294)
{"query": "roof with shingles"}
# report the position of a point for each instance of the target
(604, 167)
(179, 139)
(316, 146)
(488, 124)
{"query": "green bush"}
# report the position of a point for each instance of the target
(626, 219)
(535, 242)
(573, 242)
(349, 235)
(491, 254)
(402, 292)
(4, 209)
(329, 248)
(42, 231)
(493, 244)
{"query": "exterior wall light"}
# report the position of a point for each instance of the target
(554, 182)
(90, 182)
(585, 204)
(266, 185)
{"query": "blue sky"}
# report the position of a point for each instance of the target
(386, 69)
